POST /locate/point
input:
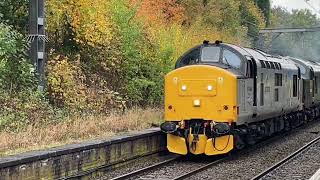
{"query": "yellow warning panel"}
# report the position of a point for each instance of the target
(199, 146)
(176, 144)
(219, 145)
(201, 92)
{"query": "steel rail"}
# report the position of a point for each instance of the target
(158, 165)
(202, 168)
(148, 168)
(286, 159)
(259, 143)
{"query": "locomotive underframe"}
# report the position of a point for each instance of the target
(243, 135)
(251, 133)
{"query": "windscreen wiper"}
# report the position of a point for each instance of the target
(227, 62)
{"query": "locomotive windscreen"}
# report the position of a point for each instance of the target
(210, 54)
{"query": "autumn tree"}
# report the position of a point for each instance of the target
(252, 18)
(15, 13)
(16, 72)
(162, 12)
(265, 6)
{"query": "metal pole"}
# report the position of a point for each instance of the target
(37, 38)
(260, 43)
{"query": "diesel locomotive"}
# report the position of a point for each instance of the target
(222, 97)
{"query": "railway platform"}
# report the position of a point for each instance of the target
(316, 176)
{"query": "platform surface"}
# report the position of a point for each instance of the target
(316, 176)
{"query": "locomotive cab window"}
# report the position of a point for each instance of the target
(210, 54)
(192, 57)
(231, 59)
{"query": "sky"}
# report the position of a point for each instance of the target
(298, 4)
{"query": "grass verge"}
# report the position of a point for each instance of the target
(76, 129)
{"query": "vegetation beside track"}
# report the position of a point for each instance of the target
(105, 57)
(77, 128)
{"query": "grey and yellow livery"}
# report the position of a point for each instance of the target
(222, 97)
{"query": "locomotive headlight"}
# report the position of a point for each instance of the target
(210, 88)
(183, 87)
(196, 103)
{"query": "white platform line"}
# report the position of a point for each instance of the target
(316, 176)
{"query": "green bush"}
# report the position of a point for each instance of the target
(26, 108)
(142, 68)
(16, 72)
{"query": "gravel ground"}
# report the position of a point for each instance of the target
(135, 165)
(169, 171)
(242, 165)
(303, 166)
(251, 161)
(175, 168)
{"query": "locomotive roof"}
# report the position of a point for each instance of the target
(261, 58)
(306, 66)
(260, 55)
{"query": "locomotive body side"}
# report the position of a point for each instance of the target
(309, 88)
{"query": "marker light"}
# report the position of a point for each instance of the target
(181, 124)
(184, 87)
(196, 103)
(210, 88)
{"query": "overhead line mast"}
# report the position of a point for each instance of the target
(276, 32)
(37, 38)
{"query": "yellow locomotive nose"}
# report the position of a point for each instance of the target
(200, 92)
(198, 95)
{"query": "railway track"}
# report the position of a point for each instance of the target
(141, 173)
(182, 168)
(287, 159)
(204, 167)
(148, 168)
(194, 168)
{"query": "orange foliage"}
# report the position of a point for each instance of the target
(159, 11)
(125, 46)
